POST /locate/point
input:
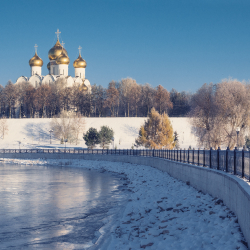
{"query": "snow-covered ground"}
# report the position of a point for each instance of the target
(34, 133)
(161, 213)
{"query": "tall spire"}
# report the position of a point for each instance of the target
(57, 34)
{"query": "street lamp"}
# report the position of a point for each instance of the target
(65, 140)
(113, 141)
(50, 135)
(237, 132)
(19, 144)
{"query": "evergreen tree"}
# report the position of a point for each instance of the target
(91, 138)
(247, 142)
(106, 135)
(157, 132)
(176, 140)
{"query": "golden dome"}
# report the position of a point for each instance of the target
(36, 61)
(56, 51)
(62, 59)
(80, 62)
(83, 87)
(48, 66)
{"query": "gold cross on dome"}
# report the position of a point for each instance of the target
(58, 33)
(80, 50)
(36, 48)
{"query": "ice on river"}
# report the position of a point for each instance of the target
(163, 213)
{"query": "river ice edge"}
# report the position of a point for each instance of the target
(162, 212)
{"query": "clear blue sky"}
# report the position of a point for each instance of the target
(178, 44)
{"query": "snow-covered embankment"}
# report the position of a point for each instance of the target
(163, 213)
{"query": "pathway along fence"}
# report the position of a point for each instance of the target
(232, 161)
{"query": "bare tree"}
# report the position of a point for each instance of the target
(3, 126)
(203, 113)
(125, 91)
(148, 94)
(42, 98)
(10, 97)
(68, 126)
(62, 126)
(78, 126)
(135, 97)
(98, 97)
(162, 100)
(112, 98)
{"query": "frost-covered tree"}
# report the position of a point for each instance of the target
(217, 110)
(68, 126)
(3, 126)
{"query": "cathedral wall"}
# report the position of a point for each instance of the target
(80, 72)
(63, 69)
(36, 70)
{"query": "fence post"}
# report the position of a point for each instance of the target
(243, 162)
(235, 160)
(210, 160)
(204, 157)
(188, 157)
(227, 159)
(198, 156)
(193, 156)
(218, 158)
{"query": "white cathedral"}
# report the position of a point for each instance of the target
(58, 68)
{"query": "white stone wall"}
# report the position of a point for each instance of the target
(80, 72)
(35, 81)
(63, 69)
(35, 70)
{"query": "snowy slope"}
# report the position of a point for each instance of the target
(34, 132)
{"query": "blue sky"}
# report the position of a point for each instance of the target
(178, 44)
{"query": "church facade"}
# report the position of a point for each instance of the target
(58, 69)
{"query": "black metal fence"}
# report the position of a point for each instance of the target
(232, 161)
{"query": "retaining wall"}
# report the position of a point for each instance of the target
(234, 192)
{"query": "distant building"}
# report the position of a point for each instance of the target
(58, 68)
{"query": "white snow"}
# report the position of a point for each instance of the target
(34, 132)
(162, 212)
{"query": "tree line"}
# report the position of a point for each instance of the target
(125, 98)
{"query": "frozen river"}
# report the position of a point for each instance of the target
(49, 207)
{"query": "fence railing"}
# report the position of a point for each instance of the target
(232, 161)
